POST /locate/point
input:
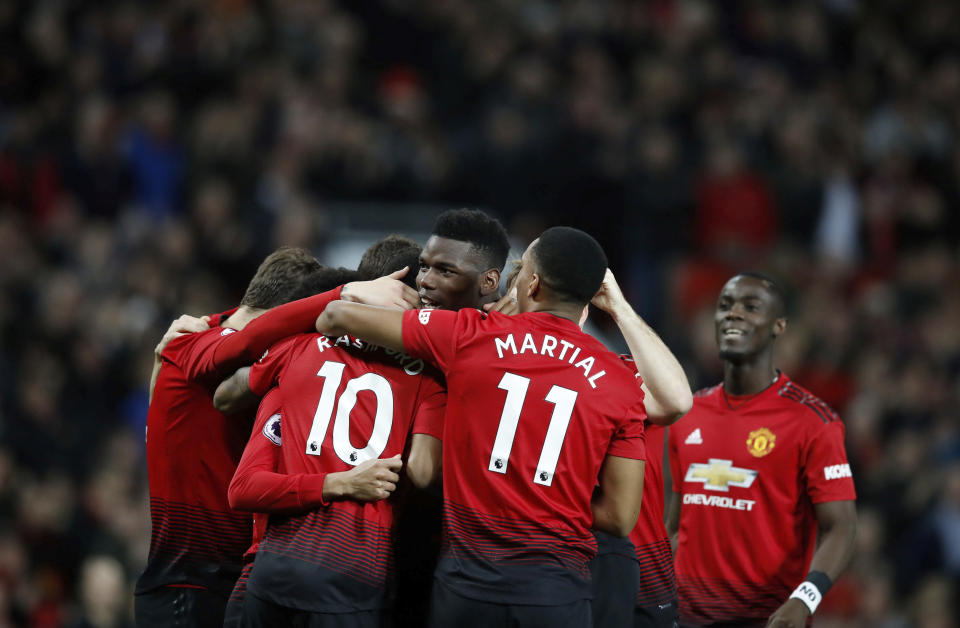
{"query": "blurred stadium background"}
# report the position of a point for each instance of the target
(151, 154)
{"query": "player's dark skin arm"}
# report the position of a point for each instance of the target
(377, 325)
(837, 522)
(616, 502)
(673, 520)
(234, 394)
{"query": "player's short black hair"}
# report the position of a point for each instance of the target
(390, 254)
(570, 262)
(774, 287)
(280, 277)
(327, 278)
(483, 231)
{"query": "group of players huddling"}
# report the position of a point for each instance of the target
(427, 451)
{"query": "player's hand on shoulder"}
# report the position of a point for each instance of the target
(507, 304)
(186, 324)
(373, 480)
(792, 614)
(609, 296)
(386, 291)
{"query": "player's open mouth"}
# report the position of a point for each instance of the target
(427, 303)
(732, 333)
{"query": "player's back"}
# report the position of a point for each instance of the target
(344, 402)
(192, 451)
(534, 406)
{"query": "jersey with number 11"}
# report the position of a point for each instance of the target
(344, 402)
(534, 406)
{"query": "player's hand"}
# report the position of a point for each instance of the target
(793, 614)
(386, 291)
(186, 324)
(609, 297)
(507, 304)
(374, 480)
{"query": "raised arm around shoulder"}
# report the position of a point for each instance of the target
(616, 502)
(668, 395)
(377, 325)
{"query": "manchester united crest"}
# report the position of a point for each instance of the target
(761, 442)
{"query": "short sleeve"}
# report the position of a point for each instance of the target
(431, 335)
(673, 457)
(431, 407)
(265, 373)
(825, 466)
(630, 440)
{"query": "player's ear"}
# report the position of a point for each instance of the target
(779, 326)
(533, 288)
(489, 282)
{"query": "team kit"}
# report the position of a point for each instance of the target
(411, 444)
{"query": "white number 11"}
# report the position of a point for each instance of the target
(563, 400)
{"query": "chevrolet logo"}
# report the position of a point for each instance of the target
(720, 475)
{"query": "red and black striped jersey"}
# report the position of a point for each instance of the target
(192, 450)
(534, 407)
(748, 471)
(344, 402)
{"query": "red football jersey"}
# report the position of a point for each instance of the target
(263, 447)
(748, 471)
(344, 402)
(649, 537)
(192, 450)
(534, 406)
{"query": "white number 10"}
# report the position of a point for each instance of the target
(563, 400)
(332, 373)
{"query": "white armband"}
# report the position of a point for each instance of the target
(809, 594)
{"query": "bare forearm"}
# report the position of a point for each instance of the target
(669, 392)
(836, 549)
(376, 325)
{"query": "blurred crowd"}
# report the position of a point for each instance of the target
(151, 154)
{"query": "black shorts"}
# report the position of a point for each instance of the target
(658, 616)
(449, 609)
(615, 579)
(260, 613)
(178, 607)
(234, 612)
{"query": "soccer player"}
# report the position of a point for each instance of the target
(759, 468)
(633, 579)
(196, 540)
(345, 405)
(462, 260)
(537, 411)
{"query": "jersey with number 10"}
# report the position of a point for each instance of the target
(534, 405)
(344, 402)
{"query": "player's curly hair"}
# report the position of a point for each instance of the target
(280, 278)
(571, 263)
(390, 254)
(483, 231)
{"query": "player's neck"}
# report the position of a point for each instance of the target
(748, 378)
(561, 310)
(239, 319)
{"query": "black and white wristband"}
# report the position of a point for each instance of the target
(812, 590)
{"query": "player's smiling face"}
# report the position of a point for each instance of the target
(449, 274)
(747, 319)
